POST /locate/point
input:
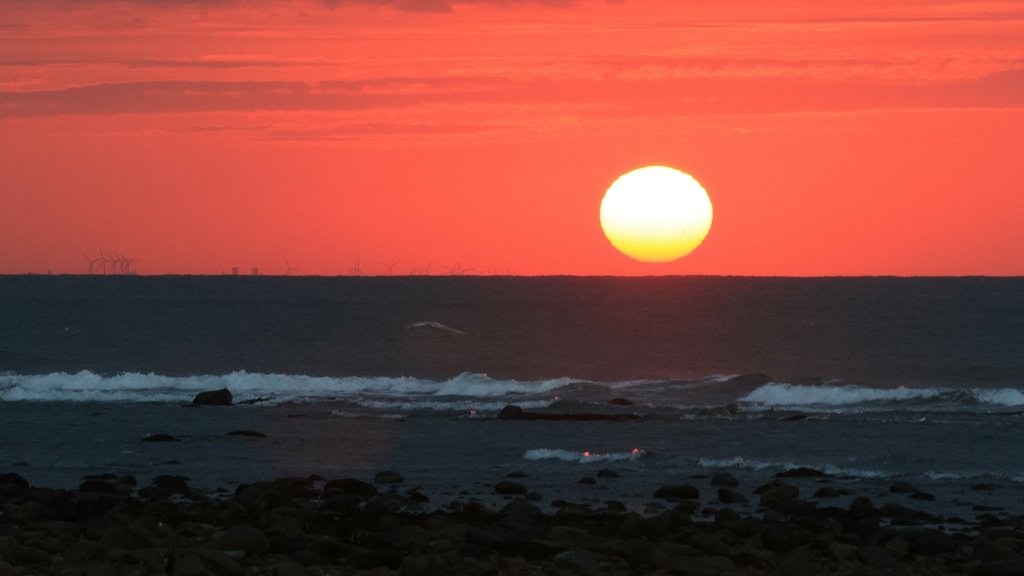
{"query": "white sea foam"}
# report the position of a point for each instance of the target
(584, 457)
(449, 406)
(850, 398)
(436, 326)
(757, 465)
(347, 414)
(1009, 397)
(479, 385)
(789, 395)
(741, 462)
(272, 388)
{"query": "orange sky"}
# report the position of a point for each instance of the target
(834, 137)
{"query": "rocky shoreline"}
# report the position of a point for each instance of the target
(314, 526)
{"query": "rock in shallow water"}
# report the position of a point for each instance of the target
(724, 479)
(248, 433)
(901, 487)
(388, 477)
(160, 438)
(802, 472)
(220, 397)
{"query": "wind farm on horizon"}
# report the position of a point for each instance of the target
(115, 263)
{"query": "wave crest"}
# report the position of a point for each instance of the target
(851, 398)
(584, 457)
(87, 386)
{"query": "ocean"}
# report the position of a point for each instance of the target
(867, 380)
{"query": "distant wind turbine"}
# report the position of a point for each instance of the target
(420, 271)
(92, 263)
(355, 270)
(290, 269)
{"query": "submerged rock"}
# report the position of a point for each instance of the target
(388, 477)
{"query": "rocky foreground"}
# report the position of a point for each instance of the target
(307, 526)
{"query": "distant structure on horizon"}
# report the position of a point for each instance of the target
(355, 270)
(116, 264)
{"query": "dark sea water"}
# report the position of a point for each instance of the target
(868, 379)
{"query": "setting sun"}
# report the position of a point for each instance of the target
(656, 214)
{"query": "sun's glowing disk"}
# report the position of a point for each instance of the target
(656, 214)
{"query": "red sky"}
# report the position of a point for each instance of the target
(834, 137)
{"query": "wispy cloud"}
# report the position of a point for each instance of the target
(184, 96)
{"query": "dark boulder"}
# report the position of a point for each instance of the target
(862, 506)
(352, 486)
(730, 496)
(677, 491)
(172, 484)
(510, 412)
(724, 479)
(248, 433)
(12, 485)
(244, 537)
(828, 492)
(802, 472)
(621, 402)
(510, 488)
(97, 487)
(160, 438)
(220, 397)
(901, 487)
(779, 495)
(1012, 567)
(388, 477)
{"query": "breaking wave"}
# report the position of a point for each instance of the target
(851, 398)
(459, 392)
(584, 457)
(758, 465)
